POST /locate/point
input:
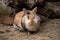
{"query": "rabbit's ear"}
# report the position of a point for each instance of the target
(25, 10)
(34, 11)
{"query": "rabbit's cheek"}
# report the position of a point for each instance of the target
(27, 22)
(36, 20)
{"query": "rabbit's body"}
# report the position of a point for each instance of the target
(27, 20)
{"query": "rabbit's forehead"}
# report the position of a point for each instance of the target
(31, 15)
(28, 11)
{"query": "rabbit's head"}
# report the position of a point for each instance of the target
(31, 20)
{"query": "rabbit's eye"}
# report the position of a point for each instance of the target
(28, 13)
(39, 22)
(28, 17)
(33, 17)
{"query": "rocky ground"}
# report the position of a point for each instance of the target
(49, 30)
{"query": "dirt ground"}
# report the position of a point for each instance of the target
(49, 30)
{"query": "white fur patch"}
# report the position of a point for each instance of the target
(27, 21)
(16, 27)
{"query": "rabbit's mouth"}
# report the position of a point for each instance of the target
(29, 28)
(32, 27)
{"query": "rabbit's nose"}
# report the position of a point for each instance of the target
(31, 24)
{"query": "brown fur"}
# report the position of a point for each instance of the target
(18, 18)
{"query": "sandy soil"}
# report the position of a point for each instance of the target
(49, 30)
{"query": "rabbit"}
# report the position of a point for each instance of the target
(27, 20)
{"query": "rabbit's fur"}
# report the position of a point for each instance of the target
(27, 20)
